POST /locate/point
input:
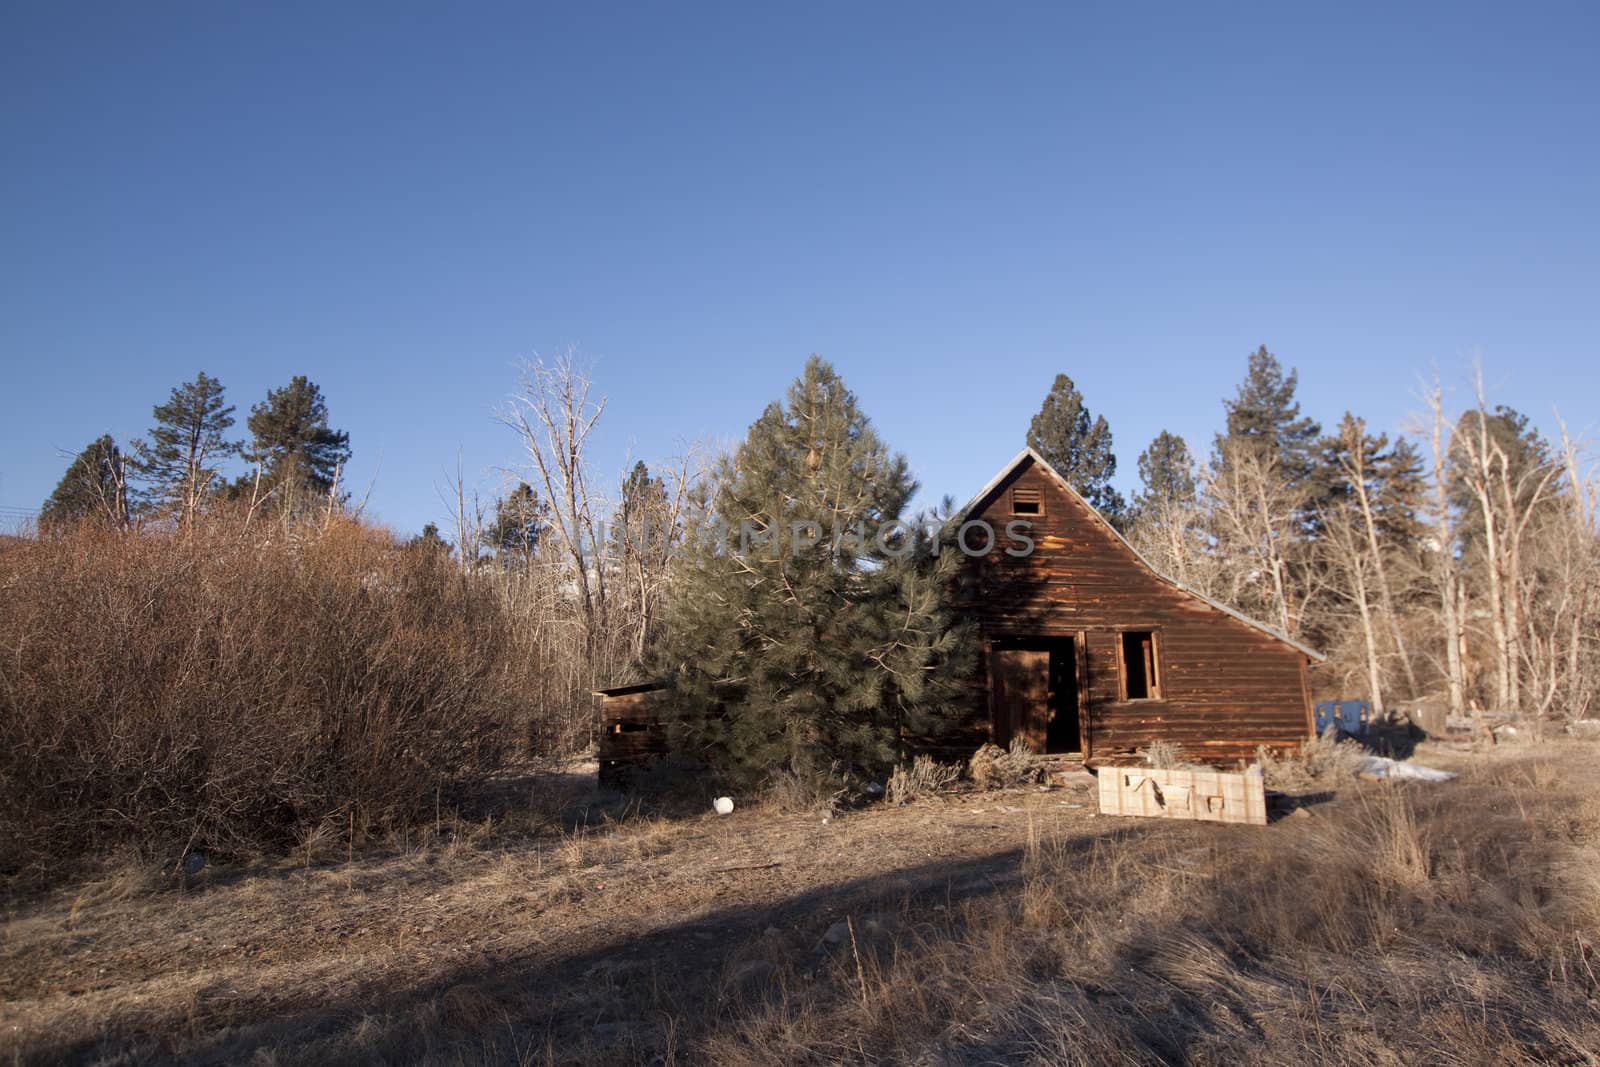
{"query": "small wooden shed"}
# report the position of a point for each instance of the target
(632, 729)
(1090, 653)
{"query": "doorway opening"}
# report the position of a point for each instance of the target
(1035, 693)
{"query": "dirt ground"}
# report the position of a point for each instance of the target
(559, 942)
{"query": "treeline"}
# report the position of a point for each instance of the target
(294, 461)
(1452, 568)
(199, 657)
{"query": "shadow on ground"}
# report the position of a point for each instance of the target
(629, 998)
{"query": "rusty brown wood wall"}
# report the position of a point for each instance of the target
(1226, 687)
(633, 732)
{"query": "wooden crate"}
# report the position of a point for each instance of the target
(1209, 796)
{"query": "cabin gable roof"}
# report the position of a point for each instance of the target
(1028, 456)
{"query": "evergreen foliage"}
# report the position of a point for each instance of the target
(519, 519)
(430, 540)
(1393, 481)
(1166, 472)
(640, 530)
(94, 488)
(799, 640)
(189, 437)
(1517, 451)
(298, 453)
(1264, 417)
(1078, 445)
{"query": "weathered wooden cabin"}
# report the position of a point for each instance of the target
(1086, 651)
(1090, 653)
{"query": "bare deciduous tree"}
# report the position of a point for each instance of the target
(553, 416)
(1447, 574)
(1255, 511)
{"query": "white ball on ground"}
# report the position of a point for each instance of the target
(724, 805)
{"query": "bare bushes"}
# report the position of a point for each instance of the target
(229, 690)
(923, 777)
(1322, 760)
(793, 793)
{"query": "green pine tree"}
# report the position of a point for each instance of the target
(1078, 445)
(430, 540)
(1525, 453)
(178, 462)
(94, 489)
(1392, 476)
(643, 535)
(519, 519)
(1166, 472)
(803, 634)
(1264, 416)
(298, 453)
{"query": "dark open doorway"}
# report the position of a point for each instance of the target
(1035, 693)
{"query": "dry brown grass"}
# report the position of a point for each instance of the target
(923, 777)
(993, 767)
(1166, 756)
(1322, 761)
(1403, 925)
(1449, 923)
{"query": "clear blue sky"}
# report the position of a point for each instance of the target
(951, 202)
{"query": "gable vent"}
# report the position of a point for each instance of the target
(1026, 502)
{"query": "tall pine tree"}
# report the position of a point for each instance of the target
(1264, 419)
(1078, 445)
(298, 453)
(1166, 472)
(178, 462)
(803, 633)
(519, 520)
(94, 489)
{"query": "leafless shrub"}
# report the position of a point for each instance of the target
(924, 776)
(1319, 761)
(229, 690)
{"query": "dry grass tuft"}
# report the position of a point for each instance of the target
(798, 794)
(992, 767)
(923, 777)
(1321, 761)
(1166, 756)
